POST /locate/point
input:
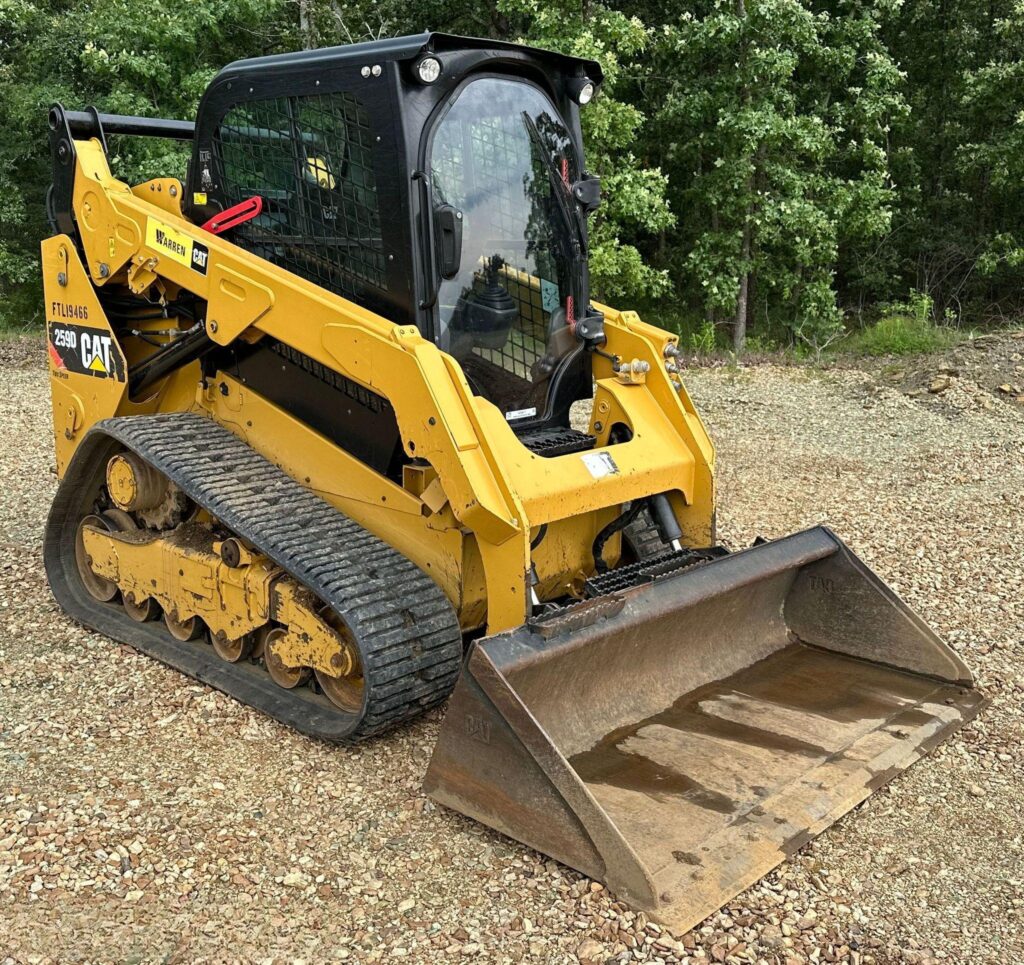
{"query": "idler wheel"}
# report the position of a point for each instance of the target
(346, 692)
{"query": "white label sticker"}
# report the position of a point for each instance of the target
(520, 414)
(600, 464)
(548, 295)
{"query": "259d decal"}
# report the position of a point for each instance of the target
(85, 351)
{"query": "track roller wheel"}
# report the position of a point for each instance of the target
(98, 588)
(233, 650)
(141, 611)
(259, 641)
(184, 630)
(284, 676)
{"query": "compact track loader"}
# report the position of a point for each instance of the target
(312, 421)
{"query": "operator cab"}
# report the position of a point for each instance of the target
(436, 180)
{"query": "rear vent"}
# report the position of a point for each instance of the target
(366, 398)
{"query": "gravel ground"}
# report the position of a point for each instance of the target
(143, 818)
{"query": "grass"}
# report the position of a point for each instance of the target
(21, 311)
(901, 335)
(906, 327)
(15, 331)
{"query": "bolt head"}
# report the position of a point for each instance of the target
(212, 326)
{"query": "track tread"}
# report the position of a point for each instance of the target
(406, 630)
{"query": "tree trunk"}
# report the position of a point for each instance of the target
(305, 28)
(739, 322)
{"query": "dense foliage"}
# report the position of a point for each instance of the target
(776, 168)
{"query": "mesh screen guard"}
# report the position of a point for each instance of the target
(310, 158)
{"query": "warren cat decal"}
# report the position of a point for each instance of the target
(176, 245)
(84, 351)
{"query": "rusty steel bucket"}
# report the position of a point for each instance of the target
(678, 740)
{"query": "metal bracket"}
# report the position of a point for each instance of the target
(142, 273)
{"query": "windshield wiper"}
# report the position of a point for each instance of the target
(567, 207)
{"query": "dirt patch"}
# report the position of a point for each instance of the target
(980, 373)
(22, 351)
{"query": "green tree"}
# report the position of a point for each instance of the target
(773, 122)
(634, 193)
(991, 159)
(124, 57)
(960, 221)
(777, 163)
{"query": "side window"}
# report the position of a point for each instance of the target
(310, 159)
(504, 158)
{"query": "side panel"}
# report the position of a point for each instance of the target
(88, 371)
(433, 541)
(88, 366)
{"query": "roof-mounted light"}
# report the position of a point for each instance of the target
(427, 69)
(582, 90)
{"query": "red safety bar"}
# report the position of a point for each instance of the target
(234, 216)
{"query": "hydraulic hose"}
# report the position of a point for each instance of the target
(190, 346)
(616, 525)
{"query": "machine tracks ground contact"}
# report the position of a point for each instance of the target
(373, 641)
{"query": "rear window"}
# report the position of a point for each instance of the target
(311, 161)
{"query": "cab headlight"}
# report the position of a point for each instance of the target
(428, 69)
(582, 90)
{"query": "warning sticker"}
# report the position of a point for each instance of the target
(177, 245)
(84, 351)
(600, 464)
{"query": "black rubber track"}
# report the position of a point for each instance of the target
(643, 539)
(407, 632)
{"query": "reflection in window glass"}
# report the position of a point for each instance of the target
(503, 157)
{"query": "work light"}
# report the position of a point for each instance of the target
(428, 69)
(582, 90)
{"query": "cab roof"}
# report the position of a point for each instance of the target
(407, 48)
